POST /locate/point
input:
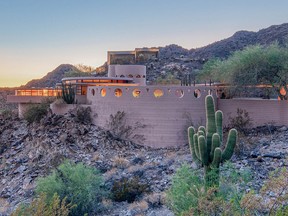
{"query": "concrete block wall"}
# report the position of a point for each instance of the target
(165, 116)
(262, 111)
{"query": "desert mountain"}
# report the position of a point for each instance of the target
(178, 61)
(53, 77)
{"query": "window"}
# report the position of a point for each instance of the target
(118, 92)
(103, 92)
(179, 93)
(197, 93)
(136, 93)
(158, 93)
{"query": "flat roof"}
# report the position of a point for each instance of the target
(97, 78)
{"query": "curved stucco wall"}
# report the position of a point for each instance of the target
(166, 117)
(137, 72)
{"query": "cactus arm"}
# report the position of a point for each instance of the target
(230, 145)
(201, 133)
(219, 122)
(203, 150)
(217, 158)
(202, 128)
(196, 146)
(191, 132)
(215, 144)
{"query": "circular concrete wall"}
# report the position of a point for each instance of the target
(166, 111)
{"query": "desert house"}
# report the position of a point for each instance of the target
(166, 110)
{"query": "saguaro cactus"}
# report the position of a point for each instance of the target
(205, 144)
(68, 93)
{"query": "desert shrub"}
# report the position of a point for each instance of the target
(241, 121)
(187, 195)
(277, 184)
(119, 129)
(83, 115)
(35, 112)
(40, 207)
(128, 189)
(6, 114)
(185, 190)
(80, 184)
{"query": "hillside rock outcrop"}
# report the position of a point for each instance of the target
(32, 151)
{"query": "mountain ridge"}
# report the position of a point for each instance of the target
(180, 61)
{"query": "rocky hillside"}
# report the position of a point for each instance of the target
(52, 77)
(177, 61)
(31, 151)
(241, 39)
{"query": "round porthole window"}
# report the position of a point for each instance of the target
(197, 93)
(118, 92)
(179, 93)
(158, 93)
(103, 92)
(136, 93)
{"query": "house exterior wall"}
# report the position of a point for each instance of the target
(130, 71)
(261, 111)
(166, 117)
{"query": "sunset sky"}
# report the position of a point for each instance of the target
(37, 35)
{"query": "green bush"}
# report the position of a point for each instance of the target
(186, 188)
(35, 112)
(39, 207)
(128, 189)
(187, 195)
(80, 184)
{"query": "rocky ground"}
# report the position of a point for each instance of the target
(31, 151)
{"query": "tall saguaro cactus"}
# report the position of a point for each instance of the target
(205, 144)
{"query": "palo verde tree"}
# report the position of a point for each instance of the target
(255, 65)
(205, 143)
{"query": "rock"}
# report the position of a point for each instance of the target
(260, 159)
(254, 154)
(276, 155)
(282, 129)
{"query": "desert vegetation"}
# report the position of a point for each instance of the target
(71, 189)
(197, 192)
(255, 65)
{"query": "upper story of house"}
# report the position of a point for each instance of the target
(125, 68)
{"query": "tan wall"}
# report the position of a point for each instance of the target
(25, 99)
(260, 110)
(126, 70)
(165, 117)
